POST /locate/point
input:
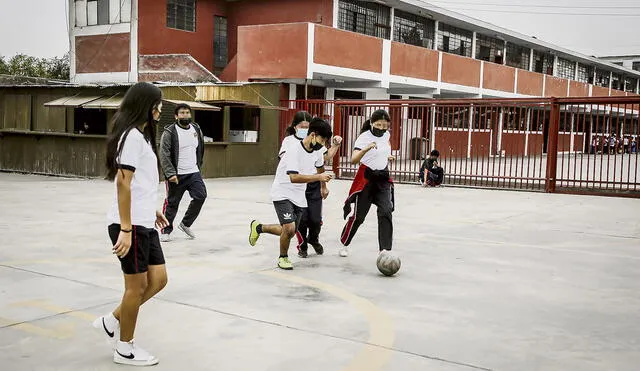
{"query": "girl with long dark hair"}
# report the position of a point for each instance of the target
(132, 164)
(372, 183)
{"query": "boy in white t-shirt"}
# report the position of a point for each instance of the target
(301, 163)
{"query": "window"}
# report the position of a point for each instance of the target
(454, 40)
(220, 48)
(602, 78)
(630, 84)
(413, 29)
(181, 14)
(566, 69)
(514, 119)
(245, 119)
(585, 73)
(102, 12)
(90, 121)
(365, 17)
(616, 81)
(543, 62)
(211, 123)
(518, 56)
(489, 49)
(635, 66)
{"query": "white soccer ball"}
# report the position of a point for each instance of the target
(388, 263)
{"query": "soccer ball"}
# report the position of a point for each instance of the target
(388, 264)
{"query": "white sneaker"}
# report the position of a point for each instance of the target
(344, 252)
(187, 231)
(108, 325)
(130, 354)
(165, 238)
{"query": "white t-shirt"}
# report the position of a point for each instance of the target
(294, 139)
(137, 155)
(188, 146)
(376, 158)
(295, 159)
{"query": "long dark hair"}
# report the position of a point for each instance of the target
(375, 116)
(136, 108)
(299, 117)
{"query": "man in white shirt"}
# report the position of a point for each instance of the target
(301, 162)
(181, 153)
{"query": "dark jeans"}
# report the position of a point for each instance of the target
(191, 183)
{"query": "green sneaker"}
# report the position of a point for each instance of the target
(253, 233)
(284, 263)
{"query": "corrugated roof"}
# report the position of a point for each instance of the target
(72, 101)
(112, 102)
(194, 105)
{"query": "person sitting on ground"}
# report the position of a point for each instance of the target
(431, 174)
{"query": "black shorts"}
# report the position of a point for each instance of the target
(288, 212)
(145, 249)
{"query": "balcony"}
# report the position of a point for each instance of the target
(297, 51)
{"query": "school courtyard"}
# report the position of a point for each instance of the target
(490, 280)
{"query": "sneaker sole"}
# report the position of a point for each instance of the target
(286, 269)
(191, 236)
(251, 232)
(131, 362)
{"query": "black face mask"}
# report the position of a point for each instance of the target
(184, 122)
(377, 132)
(317, 147)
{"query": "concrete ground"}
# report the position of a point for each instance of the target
(490, 280)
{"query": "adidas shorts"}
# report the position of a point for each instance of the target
(288, 212)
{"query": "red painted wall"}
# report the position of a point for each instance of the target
(460, 70)
(102, 53)
(555, 86)
(414, 61)
(452, 143)
(257, 12)
(513, 143)
(480, 143)
(340, 48)
(154, 37)
(530, 83)
(498, 77)
(536, 143)
(272, 51)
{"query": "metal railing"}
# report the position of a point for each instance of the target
(539, 144)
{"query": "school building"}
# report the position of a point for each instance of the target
(329, 49)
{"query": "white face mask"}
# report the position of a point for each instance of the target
(302, 133)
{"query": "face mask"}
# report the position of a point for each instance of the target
(302, 133)
(184, 122)
(377, 132)
(317, 146)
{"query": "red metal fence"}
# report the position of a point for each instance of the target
(574, 145)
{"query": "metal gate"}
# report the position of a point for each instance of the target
(571, 145)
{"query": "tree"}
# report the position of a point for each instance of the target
(24, 65)
(4, 68)
(58, 68)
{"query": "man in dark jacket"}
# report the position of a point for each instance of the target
(181, 152)
(430, 173)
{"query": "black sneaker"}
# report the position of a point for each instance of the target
(302, 250)
(318, 247)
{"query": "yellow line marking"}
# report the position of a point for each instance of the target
(45, 305)
(377, 353)
(60, 332)
(374, 356)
